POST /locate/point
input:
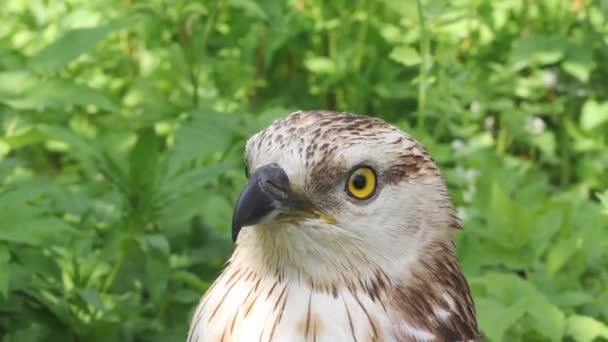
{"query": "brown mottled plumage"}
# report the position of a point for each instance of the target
(315, 263)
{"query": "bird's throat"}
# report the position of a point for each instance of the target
(293, 256)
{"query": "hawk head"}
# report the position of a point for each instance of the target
(343, 229)
(334, 193)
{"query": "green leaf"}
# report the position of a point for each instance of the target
(61, 95)
(204, 133)
(545, 141)
(604, 201)
(561, 253)
(545, 225)
(495, 318)
(508, 220)
(406, 55)
(4, 269)
(91, 157)
(573, 299)
(536, 49)
(32, 135)
(219, 211)
(143, 161)
(510, 290)
(178, 210)
(593, 114)
(549, 320)
(33, 333)
(320, 65)
(155, 242)
(92, 297)
(22, 224)
(190, 279)
(157, 272)
(407, 9)
(143, 176)
(193, 180)
(586, 329)
(579, 63)
(16, 82)
(67, 48)
(187, 296)
(251, 7)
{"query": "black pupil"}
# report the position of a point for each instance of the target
(359, 182)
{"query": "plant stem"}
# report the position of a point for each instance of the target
(190, 52)
(424, 66)
(366, 7)
(117, 266)
(501, 140)
(210, 23)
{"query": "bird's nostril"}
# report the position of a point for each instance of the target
(273, 178)
(277, 188)
(275, 184)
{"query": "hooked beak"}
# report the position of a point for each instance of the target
(269, 197)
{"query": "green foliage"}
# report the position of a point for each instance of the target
(123, 125)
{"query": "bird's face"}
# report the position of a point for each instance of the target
(325, 181)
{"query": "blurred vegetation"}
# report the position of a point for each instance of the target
(123, 125)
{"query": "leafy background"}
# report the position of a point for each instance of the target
(123, 125)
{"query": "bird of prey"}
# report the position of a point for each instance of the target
(343, 233)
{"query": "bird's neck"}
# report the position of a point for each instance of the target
(293, 257)
(328, 264)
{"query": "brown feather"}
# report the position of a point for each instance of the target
(437, 284)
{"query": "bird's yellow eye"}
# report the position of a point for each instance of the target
(362, 183)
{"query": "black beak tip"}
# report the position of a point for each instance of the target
(238, 217)
(236, 228)
(235, 234)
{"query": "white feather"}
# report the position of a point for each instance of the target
(328, 313)
(420, 335)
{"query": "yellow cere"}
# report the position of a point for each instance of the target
(362, 183)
